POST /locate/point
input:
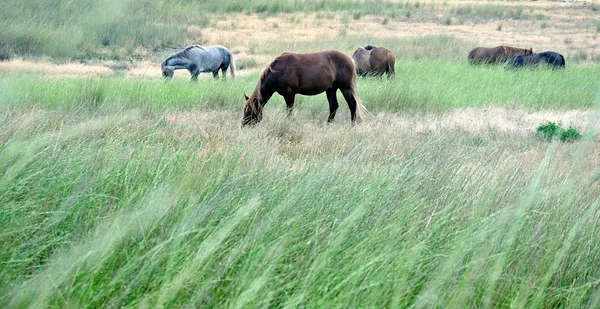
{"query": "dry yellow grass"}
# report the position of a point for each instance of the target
(566, 28)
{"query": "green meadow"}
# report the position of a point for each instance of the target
(420, 86)
(134, 192)
(144, 193)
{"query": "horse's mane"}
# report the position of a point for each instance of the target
(185, 53)
(511, 48)
(256, 94)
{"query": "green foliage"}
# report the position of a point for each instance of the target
(570, 135)
(552, 130)
(420, 85)
(549, 130)
(447, 20)
(179, 207)
(83, 28)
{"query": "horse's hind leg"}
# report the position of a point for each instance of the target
(333, 103)
(216, 74)
(224, 71)
(391, 74)
(351, 103)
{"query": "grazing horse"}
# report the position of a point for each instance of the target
(496, 55)
(307, 74)
(198, 60)
(374, 61)
(552, 59)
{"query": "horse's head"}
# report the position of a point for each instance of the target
(167, 71)
(529, 52)
(252, 111)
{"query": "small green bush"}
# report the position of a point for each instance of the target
(447, 20)
(570, 135)
(551, 129)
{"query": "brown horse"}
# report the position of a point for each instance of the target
(306, 74)
(374, 61)
(496, 55)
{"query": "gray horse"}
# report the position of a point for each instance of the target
(197, 59)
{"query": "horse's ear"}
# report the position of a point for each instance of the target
(246, 97)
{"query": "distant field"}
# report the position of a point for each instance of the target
(420, 86)
(121, 189)
(136, 30)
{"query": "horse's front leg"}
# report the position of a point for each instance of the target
(333, 103)
(194, 72)
(289, 101)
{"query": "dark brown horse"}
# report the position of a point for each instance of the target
(374, 61)
(306, 74)
(496, 55)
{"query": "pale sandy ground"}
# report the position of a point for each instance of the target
(513, 122)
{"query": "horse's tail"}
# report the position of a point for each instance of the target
(391, 61)
(232, 66)
(360, 109)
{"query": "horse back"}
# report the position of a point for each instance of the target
(513, 51)
(362, 60)
(310, 73)
(382, 60)
(487, 54)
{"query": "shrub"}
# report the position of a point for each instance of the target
(551, 129)
(579, 55)
(570, 135)
(447, 20)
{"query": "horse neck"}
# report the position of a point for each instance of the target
(264, 88)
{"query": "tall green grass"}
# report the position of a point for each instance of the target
(142, 209)
(420, 85)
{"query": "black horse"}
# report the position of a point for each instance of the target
(552, 59)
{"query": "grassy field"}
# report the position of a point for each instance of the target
(130, 192)
(421, 85)
(123, 190)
